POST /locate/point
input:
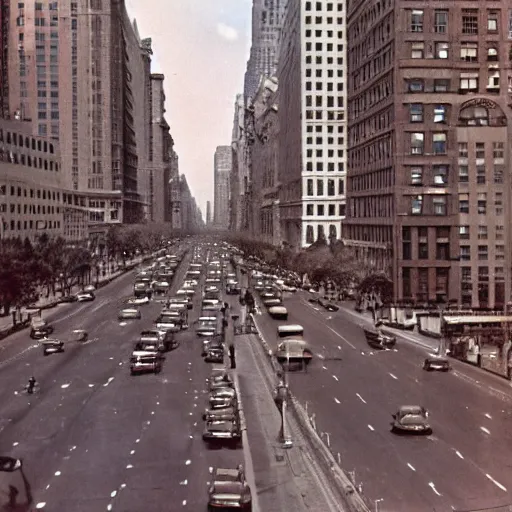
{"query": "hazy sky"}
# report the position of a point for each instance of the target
(202, 47)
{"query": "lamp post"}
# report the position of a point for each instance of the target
(281, 398)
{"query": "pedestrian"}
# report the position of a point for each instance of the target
(231, 350)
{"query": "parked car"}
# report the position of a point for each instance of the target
(230, 490)
(435, 362)
(85, 296)
(9, 464)
(222, 430)
(40, 329)
(411, 419)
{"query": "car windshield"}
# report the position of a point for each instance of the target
(412, 419)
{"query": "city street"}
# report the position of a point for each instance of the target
(353, 391)
(95, 438)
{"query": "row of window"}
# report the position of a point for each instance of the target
(30, 209)
(418, 20)
(31, 224)
(28, 160)
(331, 166)
(482, 232)
(321, 234)
(330, 186)
(482, 252)
(50, 195)
(321, 210)
(468, 51)
(23, 141)
(321, 6)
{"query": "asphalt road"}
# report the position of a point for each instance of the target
(353, 390)
(95, 438)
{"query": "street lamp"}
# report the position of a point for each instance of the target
(282, 394)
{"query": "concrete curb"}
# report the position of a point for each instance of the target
(338, 480)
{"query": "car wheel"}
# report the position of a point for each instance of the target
(428, 432)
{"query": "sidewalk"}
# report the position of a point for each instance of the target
(285, 478)
(6, 322)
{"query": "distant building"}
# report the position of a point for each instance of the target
(208, 213)
(4, 59)
(222, 174)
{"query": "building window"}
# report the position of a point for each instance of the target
(482, 203)
(441, 85)
(440, 21)
(310, 188)
(331, 189)
(417, 205)
(492, 21)
(423, 243)
(417, 50)
(320, 210)
(310, 211)
(439, 143)
(483, 254)
(469, 52)
(310, 234)
(319, 187)
(468, 82)
(417, 176)
(440, 175)
(415, 85)
(439, 114)
(417, 143)
(439, 205)
(332, 210)
(416, 112)
(442, 50)
(465, 253)
(492, 54)
(470, 21)
(463, 203)
(498, 173)
(482, 232)
(416, 20)
(480, 174)
(464, 232)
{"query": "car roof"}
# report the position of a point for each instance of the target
(411, 409)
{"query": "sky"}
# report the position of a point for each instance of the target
(201, 46)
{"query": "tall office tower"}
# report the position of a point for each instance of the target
(208, 213)
(267, 18)
(222, 173)
(75, 75)
(312, 138)
(429, 164)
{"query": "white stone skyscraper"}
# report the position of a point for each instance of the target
(267, 18)
(222, 174)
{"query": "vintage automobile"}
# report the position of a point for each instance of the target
(328, 305)
(89, 288)
(229, 490)
(40, 329)
(232, 288)
(272, 301)
(129, 314)
(293, 351)
(222, 398)
(52, 346)
(151, 341)
(9, 464)
(437, 362)
(206, 326)
(411, 419)
(180, 312)
(144, 361)
(138, 301)
(214, 354)
(379, 338)
(226, 413)
(222, 431)
(278, 312)
(85, 296)
(166, 322)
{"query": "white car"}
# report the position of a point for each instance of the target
(137, 301)
(278, 312)
(130, 314)
(84, 296)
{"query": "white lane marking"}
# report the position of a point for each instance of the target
(324, 367)
(371, 428)
(184, 503)
(122, 324)
(339, 347)
(362, 353)
(110, 379)
(188, 462)
(129, 466)
(109, 506)
(486, 430)
(342, 338)
(410, 466)
(496, 483)
(132, 452)
(137, 441)
(113, 494)
(184, 482)
(459, 454)
(58, 473)
(487, 415)
(393, 376)
(433, 487)
(64, 386)
(41, 504)
(320, 356)
(91, 385)
(337, 401)
(335, 378)
(361, 398)
(15, 443)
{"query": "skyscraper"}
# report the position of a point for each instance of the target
(312, 120)
(222, 172)
(208, 213)
(429, 160)
(267, 17)
(76, 72)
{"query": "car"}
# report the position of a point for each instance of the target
(278, 312)
(85, 296)
(52, 346)
(214, 354)
(138, 301)
(222, 397)
(129, 314)
(9, 464)
(40, 329)
(436, 362)
(89, 288)
(411, 419)
(144, 361)
(222, 430)
(328, 305)
(229, 489)
(225, 413)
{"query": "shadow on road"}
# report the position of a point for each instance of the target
(16, 496)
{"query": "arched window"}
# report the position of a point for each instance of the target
(333, 232)
(474, 116)
(310, 236)
(321, 232)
